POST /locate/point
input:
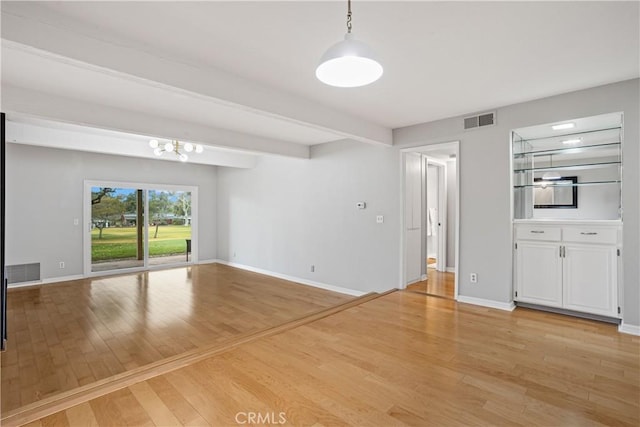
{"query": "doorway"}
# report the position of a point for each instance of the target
(431, 219)
(435, 214)
(131, 227)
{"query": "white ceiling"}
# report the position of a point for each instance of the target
(441, 59)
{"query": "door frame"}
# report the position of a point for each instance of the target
(86, 250)
(454, 146)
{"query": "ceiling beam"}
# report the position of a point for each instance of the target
(54, 107)
(21, 24)
(70, 138)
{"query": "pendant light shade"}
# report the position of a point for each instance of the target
(349, 63)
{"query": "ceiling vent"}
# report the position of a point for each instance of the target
(484, 119)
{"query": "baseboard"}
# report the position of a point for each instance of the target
(423, 277)
(507, 306)
(450, 269)
(207, 261)
(626, 328)
(45, 281)
(320, 285)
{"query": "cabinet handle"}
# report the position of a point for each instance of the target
(536, 232)
(588, 233)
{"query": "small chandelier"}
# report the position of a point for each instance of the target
(349, 63)
(175, 147)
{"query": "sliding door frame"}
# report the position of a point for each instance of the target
(87, 221)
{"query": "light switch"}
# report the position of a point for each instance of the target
(380, 219)
(76, 221)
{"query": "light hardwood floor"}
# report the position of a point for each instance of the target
(438, 283)
(72, 334)
(400, 359)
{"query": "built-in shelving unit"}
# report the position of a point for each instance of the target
(542, 165)
(567, 215)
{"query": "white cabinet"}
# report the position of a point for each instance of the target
(589, 278)
(539, 273)
(570, 266)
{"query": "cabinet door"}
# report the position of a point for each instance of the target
(539, 273)
(590, 278)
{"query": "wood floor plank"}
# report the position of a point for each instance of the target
(403, 359)
(160, 414)
(71, 334)
(437, 283)
(81, 415)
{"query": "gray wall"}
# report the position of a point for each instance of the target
(44, 195)
(286, 215)
(485, 211)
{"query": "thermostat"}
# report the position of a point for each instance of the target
(361, 205)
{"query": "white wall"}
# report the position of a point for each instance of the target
(485, 199)
(451, 213)
(45, 194)
(287, 214)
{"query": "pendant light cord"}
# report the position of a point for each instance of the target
(349, 16)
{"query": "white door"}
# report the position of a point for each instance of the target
(413, 217)
(539, 273)
(590, 277)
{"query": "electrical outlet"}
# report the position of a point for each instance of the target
(313, 268)
(473, 277)
(61, 264)
(76, 221)
(379, 219)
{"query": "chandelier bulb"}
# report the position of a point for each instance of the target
(188, 147)
(153, 143)
(183, 157)
(199, 148)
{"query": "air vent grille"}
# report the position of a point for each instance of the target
(23, 273)
(484, 119)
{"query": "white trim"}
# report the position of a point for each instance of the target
(207, 261)
(626, 328)
(508, 306)
(50, 280)
(320, 285)
(450, 269)
(455, 145)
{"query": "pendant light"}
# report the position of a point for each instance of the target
(349, 63)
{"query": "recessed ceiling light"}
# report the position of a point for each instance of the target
(572, 141)
(563, 126)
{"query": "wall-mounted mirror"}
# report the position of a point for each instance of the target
(556, 193)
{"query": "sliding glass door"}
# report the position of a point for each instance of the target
(117, 224)
(122, 236)
(169, 226)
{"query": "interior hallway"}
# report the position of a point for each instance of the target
(400, 359)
